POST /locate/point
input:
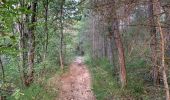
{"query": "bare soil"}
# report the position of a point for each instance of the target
(76, 83)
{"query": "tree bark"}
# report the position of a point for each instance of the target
(162, 42)
(22, 45)
(110, 49)
(167, 35)
(153, 44)
(46, 29)
(22, 58)
(2, 68)
(62, 35)
(119, 45)
(163, 62)
(31, 52)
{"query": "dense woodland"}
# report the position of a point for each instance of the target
(125, 44)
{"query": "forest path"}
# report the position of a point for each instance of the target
(76, 83)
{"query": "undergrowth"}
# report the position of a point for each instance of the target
(43, 87)
(106, 84)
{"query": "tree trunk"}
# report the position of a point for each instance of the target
(162, 42)
(31, 51)
(2, 68)
(62, 35)
(153, 44)
(93, 40)
(22, 45)
(110, 49)
(163, 62)
(167, 35)
(46, 29)
(119, 45)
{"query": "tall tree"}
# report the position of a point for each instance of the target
(120, 48)
(2, 68)
(46, 3)
(31, 52)
(61, 33)
(162, 48)
(119, 45)
(23, 43)
(166, 8)
(153, 44)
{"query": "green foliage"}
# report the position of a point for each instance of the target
(106, 84)
(17, 94)
(8, 44)
(6, 88)
(135, 85)
(12, 13)
(8, 40)
(34, 92)
(11, 69)
(137, 63)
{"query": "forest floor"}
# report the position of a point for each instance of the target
(75, 84)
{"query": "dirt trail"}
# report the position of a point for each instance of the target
(76, 84)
